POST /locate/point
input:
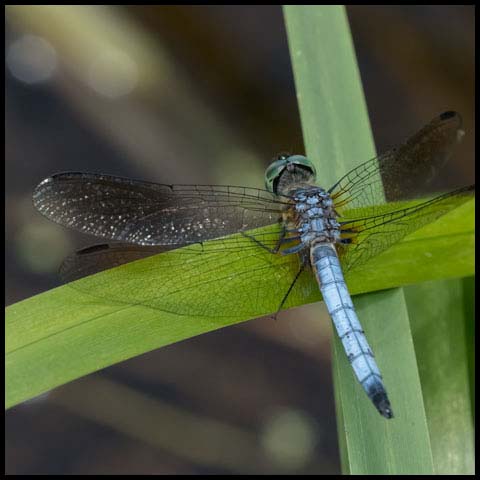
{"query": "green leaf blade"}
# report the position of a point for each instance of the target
(66, 333)
(330, 96)
(442, 352)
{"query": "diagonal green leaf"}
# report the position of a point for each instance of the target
(70, 331)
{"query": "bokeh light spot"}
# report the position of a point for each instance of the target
(41, 248)
(289, 438)
(113, 73)
(31, 59)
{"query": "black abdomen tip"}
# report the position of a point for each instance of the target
(381, 402)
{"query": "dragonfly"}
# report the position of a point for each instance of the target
(305, 236)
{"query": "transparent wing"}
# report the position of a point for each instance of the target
(145, 213)
(403, 173)
(98, 258)
(371, 235)
(215, 279)
(199, 279)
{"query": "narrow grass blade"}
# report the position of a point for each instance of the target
(337, 136)
(442, 347)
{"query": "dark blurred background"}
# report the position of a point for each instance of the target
(195, 94)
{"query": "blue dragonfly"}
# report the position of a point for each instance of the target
(313, 235)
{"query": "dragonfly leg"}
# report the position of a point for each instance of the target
(290, 288)
(274, 250)
(295, 249)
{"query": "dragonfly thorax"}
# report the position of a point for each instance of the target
(315, 216)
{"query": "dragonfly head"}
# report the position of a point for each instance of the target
(288, 170)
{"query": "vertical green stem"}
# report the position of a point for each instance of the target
(337, 137)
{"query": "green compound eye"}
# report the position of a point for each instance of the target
(275, 169)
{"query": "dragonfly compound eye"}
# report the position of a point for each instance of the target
(284, 164)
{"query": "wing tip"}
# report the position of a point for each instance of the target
(38, 192)
(449, 114)
(453, 116)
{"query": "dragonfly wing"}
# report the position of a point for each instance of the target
(145, 213)
(211, 280)
(374, 234)
(404, 172)
(98, 258)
